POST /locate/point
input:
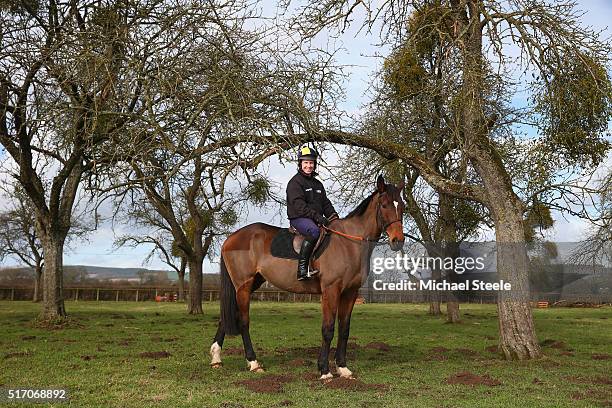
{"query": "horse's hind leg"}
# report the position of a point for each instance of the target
(347, 301)
(243, 297)
(329, 306)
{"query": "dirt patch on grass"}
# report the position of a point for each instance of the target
(155, 354)
(87, 358)
(300, 362)
(602, 395)
(590, 380)
(310, 376)
(313, 352)
(556, 344)
(271, 383)
(233, 351)
(125, 342)
(466, 352)
(57, 324)
(376, 345)
(228, 404)
(28, 337)
(467, 378)
(492, 348)
(17, 354)
(339, 383)
(437, 354)
(601, 356)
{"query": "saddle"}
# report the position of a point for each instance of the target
(288, 241)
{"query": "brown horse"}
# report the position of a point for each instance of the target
(246, 263)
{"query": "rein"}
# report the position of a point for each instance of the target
(358, 238)
(353, 237)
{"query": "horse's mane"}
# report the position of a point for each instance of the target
(360, 209)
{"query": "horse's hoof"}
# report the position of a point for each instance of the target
(255, 367)
(345, 373)
(326, 377)
(215, 355)
(216, 365)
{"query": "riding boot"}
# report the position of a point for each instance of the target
(304, 271)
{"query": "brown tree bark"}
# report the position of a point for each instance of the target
(434, 295)
(37, 283)
(194, 304)
(452, 309)
(449, 242)
(53, 275)
(516, 329)
(181, 280)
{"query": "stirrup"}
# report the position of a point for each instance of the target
(312, 272)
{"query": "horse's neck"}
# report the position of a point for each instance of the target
(364, 225)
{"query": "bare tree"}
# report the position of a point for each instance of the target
(596, 248)
(18, 236)
(61, 97)
(214, 109)
(569, 60)
(163, 246)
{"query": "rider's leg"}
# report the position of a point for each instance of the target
(310, 230)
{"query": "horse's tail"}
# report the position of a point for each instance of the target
(229, 305)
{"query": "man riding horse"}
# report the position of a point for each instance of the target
(308, 207)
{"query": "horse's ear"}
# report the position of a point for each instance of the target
(401, 186)
(380, 184)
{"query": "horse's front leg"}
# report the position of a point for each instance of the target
(330, 297)
(243, 298)
(345, 308)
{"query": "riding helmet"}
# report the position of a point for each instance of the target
(307, 153)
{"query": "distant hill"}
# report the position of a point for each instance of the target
(104, 272)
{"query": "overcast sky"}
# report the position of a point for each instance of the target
(357, 54)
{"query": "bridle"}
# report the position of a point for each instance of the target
(379, 221)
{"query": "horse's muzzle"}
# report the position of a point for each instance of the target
(396, 245)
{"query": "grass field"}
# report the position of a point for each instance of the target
(155, 355)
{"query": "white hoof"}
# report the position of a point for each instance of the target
(327, 376)
(215, 355)
(254, 366)
(345, 372)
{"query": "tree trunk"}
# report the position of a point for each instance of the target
(181, 280)
(194, 306)
(53, 276)
(434, 295)
(37, 284)
(452, 309)
(450, 248)
(516, 329)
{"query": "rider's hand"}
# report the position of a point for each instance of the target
(321, 220)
